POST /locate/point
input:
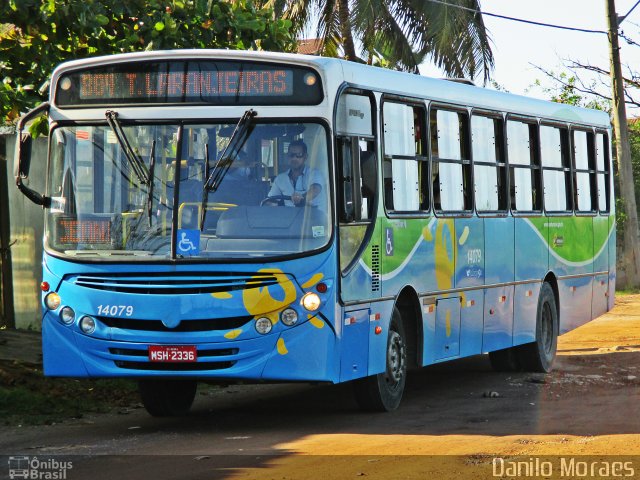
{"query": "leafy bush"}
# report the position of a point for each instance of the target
(37, 35)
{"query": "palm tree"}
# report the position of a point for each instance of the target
(397, 33)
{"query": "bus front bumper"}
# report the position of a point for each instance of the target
(307, 352)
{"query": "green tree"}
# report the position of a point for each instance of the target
(570, 89)
(634, 143)
(37, 35)
(565, 89)
(398, 33)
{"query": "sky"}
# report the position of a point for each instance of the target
(516, 46)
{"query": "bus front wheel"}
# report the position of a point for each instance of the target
(383, 392)
(167, 398)
(539, 355)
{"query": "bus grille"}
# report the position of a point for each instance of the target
(173, 367)
(206, 325)
(178, 283)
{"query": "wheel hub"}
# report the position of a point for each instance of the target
(396, 359)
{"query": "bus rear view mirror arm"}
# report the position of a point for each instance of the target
(23, 156)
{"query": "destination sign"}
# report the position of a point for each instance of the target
(73, 231)
(192, 82)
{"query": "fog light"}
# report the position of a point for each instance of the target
(52, 301)
(87, 325)
(289, 317)
(263, 325)
(311, 301)
(67, 315)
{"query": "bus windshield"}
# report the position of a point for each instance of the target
(139, 191)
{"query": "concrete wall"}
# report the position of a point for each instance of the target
(26, 229)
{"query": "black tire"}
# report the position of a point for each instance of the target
(167, 398)
(505, 360)
(539, 355)
(383, 392)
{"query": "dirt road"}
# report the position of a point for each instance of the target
(588, 406)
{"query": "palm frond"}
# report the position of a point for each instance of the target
(402, 33)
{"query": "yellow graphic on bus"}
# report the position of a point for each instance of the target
(445, 250)
(271, 298)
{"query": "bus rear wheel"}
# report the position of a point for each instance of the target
(167, 398)
(383, 392)
(539, 355)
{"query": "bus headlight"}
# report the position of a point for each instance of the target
(289, 317)
(52, 301)
(311, 301)
(88, 325)
(67, 315)
(263, 325)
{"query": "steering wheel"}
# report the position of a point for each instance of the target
(280, 199)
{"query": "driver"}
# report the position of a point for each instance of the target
(301, 182)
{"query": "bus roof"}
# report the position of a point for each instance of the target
(337, 72)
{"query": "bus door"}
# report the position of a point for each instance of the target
(356, 185)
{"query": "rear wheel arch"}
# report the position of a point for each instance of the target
(408, 303)
(552, 280)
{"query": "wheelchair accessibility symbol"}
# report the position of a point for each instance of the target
(188, 242)
(388, 244)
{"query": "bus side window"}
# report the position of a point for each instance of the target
(524, 167)
(602, 171)
(357, 178)
(489, 165)
(585, 172)
(451, 173)
(368, 188)
(554, 146)
(405, 165)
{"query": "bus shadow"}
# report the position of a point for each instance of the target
(585, 395)
(259, 431)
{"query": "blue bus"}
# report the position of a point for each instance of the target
(247, 216)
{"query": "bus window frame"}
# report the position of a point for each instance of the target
(608, 169)
(567, 169)
(426, 144)
(535, 166)
(500, 116)
(347, 89)
(592, 170)
(466, 111)
(351, 90)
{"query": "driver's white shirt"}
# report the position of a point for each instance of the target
(283, 185)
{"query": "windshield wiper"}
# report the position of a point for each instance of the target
(236, 142)
(152, 167)
(137, 165)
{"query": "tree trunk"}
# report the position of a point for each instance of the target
(631, 242)
(347, 35)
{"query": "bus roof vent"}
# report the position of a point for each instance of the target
(466, 81)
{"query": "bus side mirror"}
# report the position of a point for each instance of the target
(24, 144)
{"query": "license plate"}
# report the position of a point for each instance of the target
(173, 353)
